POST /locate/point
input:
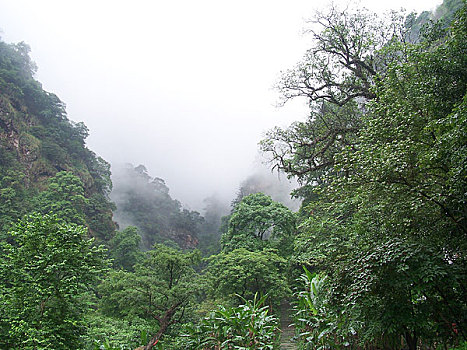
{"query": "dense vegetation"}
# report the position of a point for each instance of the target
(42, 150)
(382, 163)
(374, 259)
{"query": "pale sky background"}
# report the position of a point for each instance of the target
(183, 86)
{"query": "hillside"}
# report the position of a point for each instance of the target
(145, 202)
(37, 142)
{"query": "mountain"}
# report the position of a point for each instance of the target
(144, 201)
(43, 154)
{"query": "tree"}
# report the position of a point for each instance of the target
(385, 215)
(258, 222)
(410, 170)
(347, 57)
(246, 273)
(390, 232)
(307, 150)
(351, 52)
(414, 140)
(159, 290)
(45, 267)
(125, 248)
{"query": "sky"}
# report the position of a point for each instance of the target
(184, 87)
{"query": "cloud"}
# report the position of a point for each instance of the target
(183, 87)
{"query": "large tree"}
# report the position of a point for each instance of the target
(246, 273)
(45, 267)
(389, 226)
(347, 57)
(408, 181)
(351, 52)
(258, 222)
(159, 290)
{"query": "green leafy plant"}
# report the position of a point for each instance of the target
(462, 346)
(247, 326)
(315, 322)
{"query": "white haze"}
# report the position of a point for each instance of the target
(181, 86)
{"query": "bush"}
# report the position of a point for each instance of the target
(248, 326)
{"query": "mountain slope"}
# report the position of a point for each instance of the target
(37, 141)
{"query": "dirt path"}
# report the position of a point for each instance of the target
(287, 332)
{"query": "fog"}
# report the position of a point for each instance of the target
(183, 87)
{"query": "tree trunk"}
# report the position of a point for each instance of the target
(164, 322)
(411, 340)
(156, 338)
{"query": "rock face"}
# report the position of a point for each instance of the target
(189, 241)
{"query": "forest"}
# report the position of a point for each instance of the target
(375, 258)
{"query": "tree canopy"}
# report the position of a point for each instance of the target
(159, 290)
(46, 266)
(258, 222)
(385, 197)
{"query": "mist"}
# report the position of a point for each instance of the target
(183, 87)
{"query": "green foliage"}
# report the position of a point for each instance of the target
(463, 346)
(64, 197)
(248, 326)
(382, 164)
(411, 287)
(37, 142)
(258, 222)
(317, 324)
(159, 290)
(386, 218)
(111, 333)
(414, 142)
(44, 271)
(14, 195)
(245, 273)
(99, 216)
(125, 249)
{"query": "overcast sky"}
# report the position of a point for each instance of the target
(181, 86)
